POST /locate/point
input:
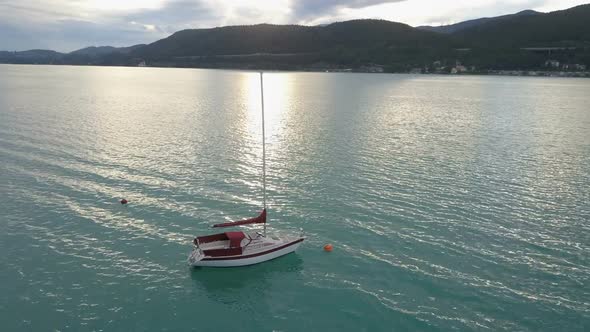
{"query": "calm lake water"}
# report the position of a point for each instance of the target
(453, 203)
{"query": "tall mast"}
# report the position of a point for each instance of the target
(263, 149)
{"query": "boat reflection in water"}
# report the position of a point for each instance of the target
(240, 285)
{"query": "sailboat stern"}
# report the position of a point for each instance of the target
(195, 256)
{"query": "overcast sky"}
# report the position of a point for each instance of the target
(72, 24)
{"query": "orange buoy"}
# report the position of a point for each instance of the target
(124, 201)
(328, 247)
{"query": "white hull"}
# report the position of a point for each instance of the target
(197, 258)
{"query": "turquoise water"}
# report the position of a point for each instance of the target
(453, 203)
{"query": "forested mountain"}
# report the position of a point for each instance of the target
(266, 38)
(525, 40)
(351, 42)
(104, 50)
(30, 56)
(452, 28)
(569, 27)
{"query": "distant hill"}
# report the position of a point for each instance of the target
(104, 50)
(31, 56)
(340, 44)
(495, 43)
(230, 40)
(286, 39)
(89, 55)
(569, 27)
(102, 55)
(94, 51)
(452, 28)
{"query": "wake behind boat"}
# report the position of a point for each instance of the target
(239, 248)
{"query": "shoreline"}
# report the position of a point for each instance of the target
(509, 73)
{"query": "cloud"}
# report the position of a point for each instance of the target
(176, 15)
(455, 13)
(27, 9)
(15, 39)
(84, 33)
(69, 26)
(71, 34)
(306, 10)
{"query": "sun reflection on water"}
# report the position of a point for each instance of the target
(278, 91)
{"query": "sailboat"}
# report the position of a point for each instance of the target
(238, 248)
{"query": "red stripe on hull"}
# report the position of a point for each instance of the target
(253, 255)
